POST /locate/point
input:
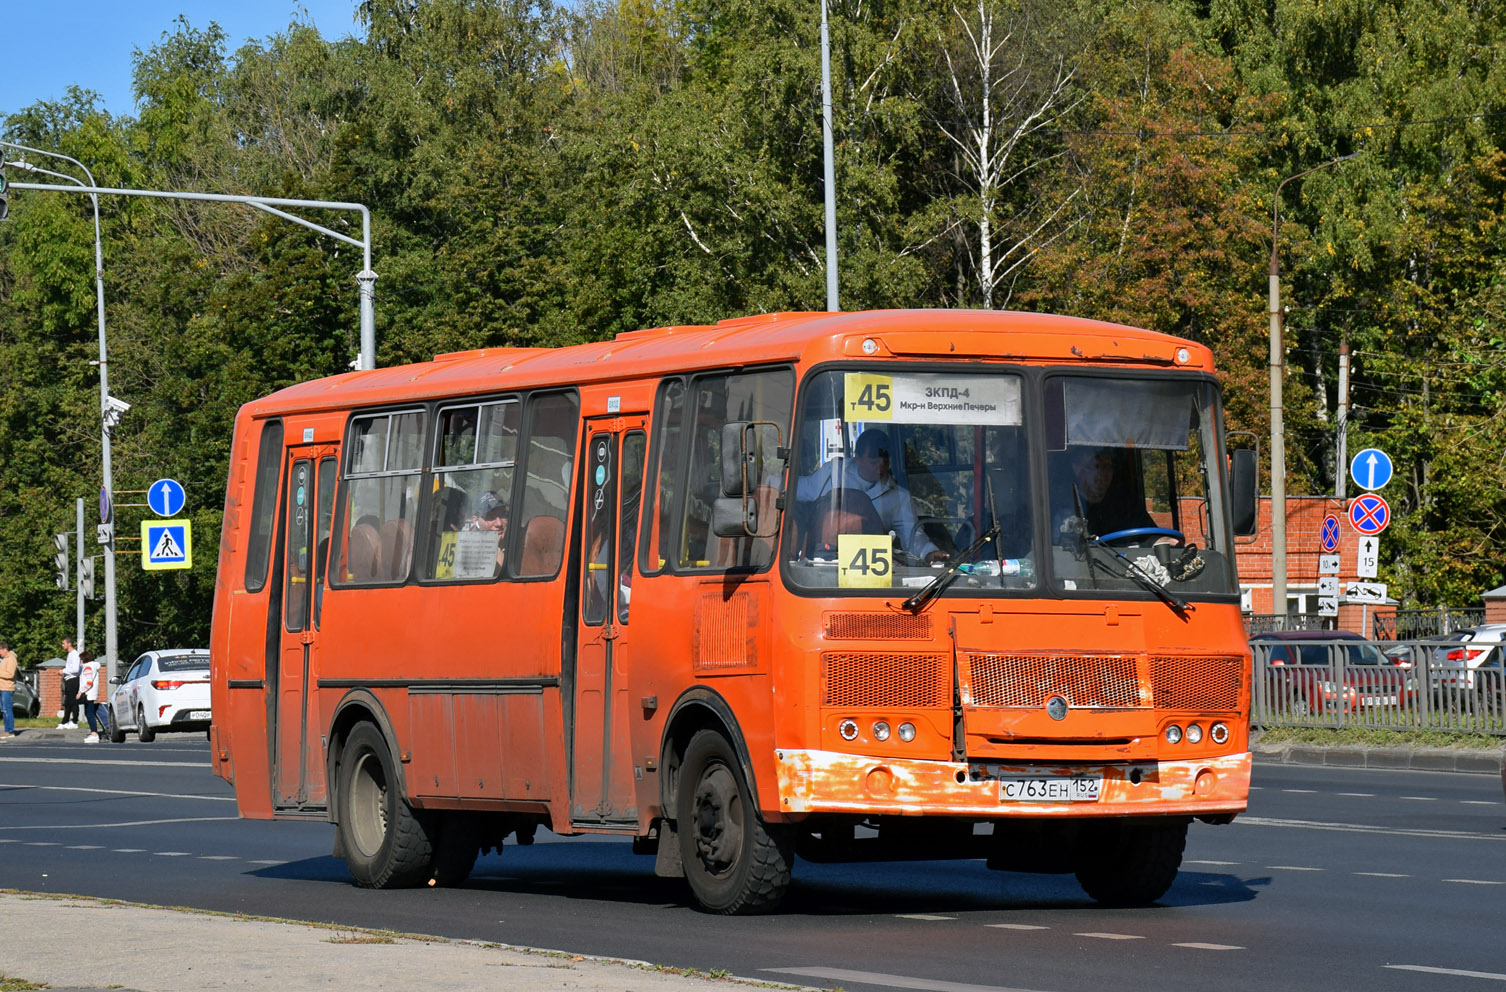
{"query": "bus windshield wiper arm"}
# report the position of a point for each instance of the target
(933, 588)
(1138, 574)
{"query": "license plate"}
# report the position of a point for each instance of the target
(198, 714)
(1050, 788)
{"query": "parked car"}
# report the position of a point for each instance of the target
(1472, 661)
(161, 691)
(24, 702)
(1317, 671)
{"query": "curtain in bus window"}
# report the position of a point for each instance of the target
(471, 491)
(264, 506)
(1131, 414)
(384, 457)
(548, 468)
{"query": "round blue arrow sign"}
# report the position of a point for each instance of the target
(1371, 469)
(166, 498)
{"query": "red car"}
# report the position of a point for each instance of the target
(1320, 671)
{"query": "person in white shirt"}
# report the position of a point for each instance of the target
(88, 693)
(72, 668)
(869, 472)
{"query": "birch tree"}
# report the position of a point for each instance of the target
(1004, 85)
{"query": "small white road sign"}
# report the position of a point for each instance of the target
(1369, 557)
(1366, 592)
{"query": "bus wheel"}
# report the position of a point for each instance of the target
(734, 862)
(456, 849)
(1124, 863)
(386, 846)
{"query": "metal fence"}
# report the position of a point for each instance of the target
(1407, 624)
(1412, 686)
(1262, 623)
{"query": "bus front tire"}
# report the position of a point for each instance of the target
(385, 843)
(1127, 863)
(734, 862)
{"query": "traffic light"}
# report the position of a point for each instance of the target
(86, 577)
(60, 560)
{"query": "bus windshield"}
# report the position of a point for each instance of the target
(1049, 484)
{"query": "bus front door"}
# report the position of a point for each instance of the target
(298, 775)
(601, 764)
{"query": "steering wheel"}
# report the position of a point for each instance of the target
(1136, 532)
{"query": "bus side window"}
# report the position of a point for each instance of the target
(264, 506)
(538, 531)
(384, 457)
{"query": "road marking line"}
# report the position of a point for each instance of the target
(269, 862)
(85, 847)
(171, 854)
(128, 823)
(1447, 971)
(1381, 874)
(1210, 947)
(114, 792)
(219, 857)
(1015, 926)
(1473, 881)
(893, 981)
(1351, 828)
(1357, 795)
(42, 843)
(96, 764)
(1223, 864)
(129, 850)
(1110, 936)
(1301, 791)
(1292, 868)
(921, 916)
(1478, 802)
(1420, 799)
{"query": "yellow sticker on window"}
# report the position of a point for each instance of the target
(865, 560)
(444, 564)
(868, 396)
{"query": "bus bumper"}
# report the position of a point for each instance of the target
(832, 782)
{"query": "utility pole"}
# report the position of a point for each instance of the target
(1278, 428)
(1341, 458)
(831, 166)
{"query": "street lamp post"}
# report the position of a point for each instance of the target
(1278, 435)
(106, 470)
(829, 160)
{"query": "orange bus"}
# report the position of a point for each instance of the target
(898, 585)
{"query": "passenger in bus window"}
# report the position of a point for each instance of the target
(1102, 497)
(868, 470)
(491, 514)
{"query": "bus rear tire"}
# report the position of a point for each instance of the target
(734, 862)
(1128, 863)
(385, 843)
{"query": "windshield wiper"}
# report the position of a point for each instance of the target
(933, 588)
(1141, 578)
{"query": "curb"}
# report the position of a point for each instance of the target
(1431, 759)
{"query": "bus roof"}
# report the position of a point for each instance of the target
(766, 338)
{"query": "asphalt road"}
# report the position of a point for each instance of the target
(1337, 878)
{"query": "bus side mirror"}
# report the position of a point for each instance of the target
(1243, 474)
(750, 452)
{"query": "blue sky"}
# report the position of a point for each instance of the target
(90, 43)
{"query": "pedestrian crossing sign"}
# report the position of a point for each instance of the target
(166, 544)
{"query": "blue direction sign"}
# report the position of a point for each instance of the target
(1329, 534)
(1369, 514)
(166, 498)
(166, 544)
(104, 505)
(1371, 469)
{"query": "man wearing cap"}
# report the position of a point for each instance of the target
(491, 514)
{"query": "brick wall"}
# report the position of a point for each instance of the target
(1304, 522)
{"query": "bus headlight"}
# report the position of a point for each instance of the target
(907, 732)
(1194, 734)
(880, 731)
(1173, 734)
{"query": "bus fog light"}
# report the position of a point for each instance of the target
(1219, 732)
(848, 729)
(907, 732)
(881, 731)
(1194, 733)
(1173, 734)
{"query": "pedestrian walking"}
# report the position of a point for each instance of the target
(88, 693)
(72, 668)
(8, 666)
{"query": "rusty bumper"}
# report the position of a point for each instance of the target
(830, 782)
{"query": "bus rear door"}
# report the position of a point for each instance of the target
(601, 779)
(298, 779)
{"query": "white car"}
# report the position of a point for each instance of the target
(161, 691)
(1472, 661)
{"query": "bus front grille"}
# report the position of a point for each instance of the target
(862, 678)
(1102, 681)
